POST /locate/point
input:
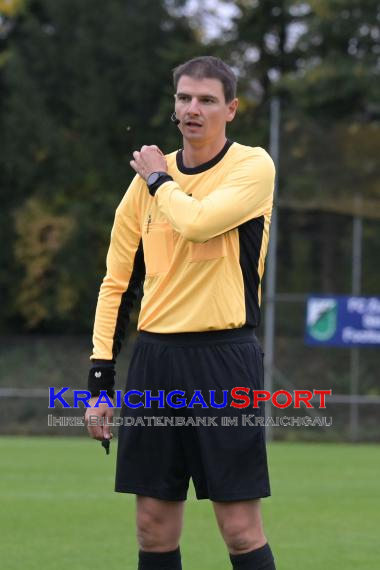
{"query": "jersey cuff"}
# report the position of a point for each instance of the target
(100, 362)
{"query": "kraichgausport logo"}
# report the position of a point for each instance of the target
(239, 397)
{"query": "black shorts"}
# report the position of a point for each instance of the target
(166, 446)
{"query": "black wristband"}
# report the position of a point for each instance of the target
(101, 378)
(154, 187)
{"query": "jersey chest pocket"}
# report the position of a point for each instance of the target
(158, 245)
(212, 249)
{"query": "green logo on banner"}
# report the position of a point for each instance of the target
(322, 317)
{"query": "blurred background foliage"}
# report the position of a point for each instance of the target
(85, 82)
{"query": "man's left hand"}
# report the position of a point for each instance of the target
(149, 159)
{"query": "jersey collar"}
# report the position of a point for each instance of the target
(206, 165)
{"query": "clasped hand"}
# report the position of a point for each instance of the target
(149, 159)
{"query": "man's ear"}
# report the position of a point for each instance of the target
(231, 109)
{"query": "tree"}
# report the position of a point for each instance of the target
(84, 84)
(331, 128)
(322, 58)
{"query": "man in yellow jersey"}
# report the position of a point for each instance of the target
(193, 228)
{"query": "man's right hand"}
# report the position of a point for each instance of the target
(99, 431)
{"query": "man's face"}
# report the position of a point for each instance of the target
(201, 107)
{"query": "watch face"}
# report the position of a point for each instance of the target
(152, 178)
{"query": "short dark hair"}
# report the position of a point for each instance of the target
(208, 67)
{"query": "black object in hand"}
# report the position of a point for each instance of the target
(106, 444)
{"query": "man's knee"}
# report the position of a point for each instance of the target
(241, 536)
(158, 529)
(150, 530)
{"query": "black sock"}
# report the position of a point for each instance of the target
(160, 560)
(258, 559)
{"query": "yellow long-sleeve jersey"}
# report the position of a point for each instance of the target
(198, 246)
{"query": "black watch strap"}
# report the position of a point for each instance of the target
(160, 180)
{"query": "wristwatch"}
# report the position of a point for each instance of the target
(155, 180)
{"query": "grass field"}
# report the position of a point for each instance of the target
(58, 509)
